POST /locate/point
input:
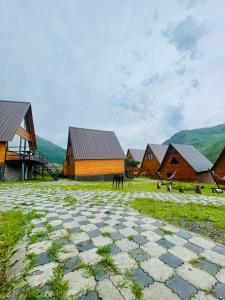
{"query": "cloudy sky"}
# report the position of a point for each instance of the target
(144, 69)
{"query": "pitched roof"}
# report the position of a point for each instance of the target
(218, 160)
(11, 116)
(137, 154)
(195, 158)
(158, 150)
(94, 144)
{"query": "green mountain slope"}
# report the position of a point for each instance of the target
(210, 141)
(55, 153)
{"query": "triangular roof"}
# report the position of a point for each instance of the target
(192, 156)
(12, 114)
(94, 144)
(137, 154)
(218, 159)
(158, 150)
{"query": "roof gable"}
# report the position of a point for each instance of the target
(193, 157)
(94, 144)
(137, 154)
(222, 153)
(158, 150)
(12, 114)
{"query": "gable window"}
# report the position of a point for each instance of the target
(150, 156)
(174, 161)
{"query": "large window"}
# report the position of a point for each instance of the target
(150, 156)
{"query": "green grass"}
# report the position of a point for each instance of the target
(207, 220)
(53, 251)
(58, 284)
(130, 282)
(12, 228)
(38, 236)
(69, 201)
(104, 250)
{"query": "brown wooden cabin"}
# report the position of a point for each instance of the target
(93, 154)
(219, 165)
(17, 139)
(152, 159)
(137, 155)
(189, 164)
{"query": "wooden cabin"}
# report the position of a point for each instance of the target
(137, 155)
(152, 159)
(189, 164)
(219, 165)
(17, 139)
(93, 154)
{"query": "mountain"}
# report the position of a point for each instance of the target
(55, 153)
(210, 141)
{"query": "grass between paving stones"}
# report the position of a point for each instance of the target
(13, 225)
(207, 220)
(53, 251)
(59, 285)
(130, 282)
(69, 201)
(38, 236)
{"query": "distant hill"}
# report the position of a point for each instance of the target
(210, 141)
(55, 153)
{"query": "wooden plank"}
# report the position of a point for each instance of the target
(23, 133)
(10, 155)
(2, 152)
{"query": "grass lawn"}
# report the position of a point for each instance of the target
(207, 220)
(12, 228)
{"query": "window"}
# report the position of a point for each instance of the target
(174, 161)
(150, 156)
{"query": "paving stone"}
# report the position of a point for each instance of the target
(101, 224)
(176, 240)
(89, 296)
(39, 247)
(171, 260)
(159, 232)
(79, 237)
(83, 222)
(19, 254)
(71, 264)
(164, 243)
(100, 241)
(119, 226)
(151, 236)
(94, 233)
(42, 259)
(140, 239)
(128, 232)
(158, 291)
(139, 254)
(142, 278)
(78, 282)
(221, 276)
(90, 256)
(202, 242)
(219, 249)
(40, 275)
(126, 245)
(124, 261)
(219, 291)
(181, 287)
(62, 242)
(170, 228)
(209, 267)
(85, 246)
(15, 270)
(114, 249)
(157, 269)
(194, 248)
(108, 291)
(183, 253)
(185, 234)
(116, 236)
(153, 249)
(67, 252)
(214, 257)
(203, 296)
(197, 277)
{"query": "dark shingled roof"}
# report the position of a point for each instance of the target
(195, 158)
(11, 116)
(137, 154)
(94, 144)
(159, 151)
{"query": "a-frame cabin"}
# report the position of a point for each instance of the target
(190, 164)
(219, 165)
(17, 139)
(152, 159)
(93, 154)
(137, 155)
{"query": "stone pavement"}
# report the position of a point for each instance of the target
(106, 248)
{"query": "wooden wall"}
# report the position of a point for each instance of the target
(134, 170)
(219, 167)
(184, 171)
(2, 152)
(149, 166)
(95, 167)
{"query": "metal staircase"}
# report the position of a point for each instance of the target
(45, 164)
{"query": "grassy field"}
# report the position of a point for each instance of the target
(207, 220)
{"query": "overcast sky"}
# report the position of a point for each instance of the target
(144, 69)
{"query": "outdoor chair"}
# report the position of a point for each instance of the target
(165, 181)
(218, 181)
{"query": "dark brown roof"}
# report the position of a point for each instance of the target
(137, 154)
(94, 144)
(11, 116)
(158, 150)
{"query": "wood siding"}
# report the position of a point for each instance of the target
(23, 133)
(65, 168)
(10, 155)
(95, 167)
(149, 166)
(2, 152)
(219, 167)
(184, 171)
